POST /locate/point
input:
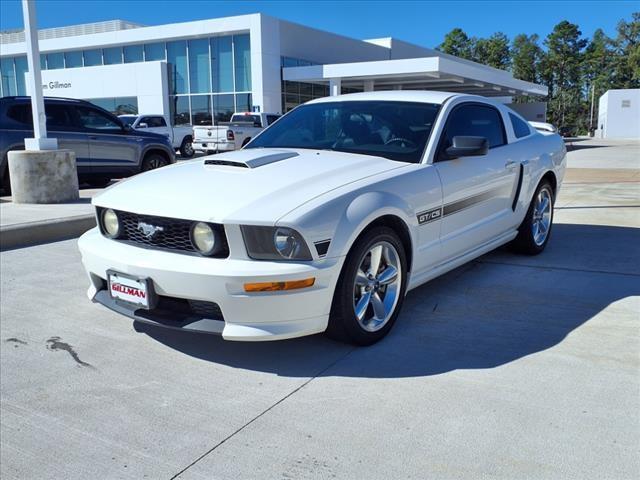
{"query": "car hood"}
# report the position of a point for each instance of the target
(256, 186)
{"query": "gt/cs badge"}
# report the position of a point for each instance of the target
(429, 216)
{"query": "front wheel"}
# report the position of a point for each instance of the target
(534, 232)
(371, 289)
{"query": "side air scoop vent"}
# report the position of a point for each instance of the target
(252, 158)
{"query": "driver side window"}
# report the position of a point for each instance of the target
(476, 121)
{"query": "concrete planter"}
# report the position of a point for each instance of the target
(44, 176)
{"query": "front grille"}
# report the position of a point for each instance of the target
(172, 233)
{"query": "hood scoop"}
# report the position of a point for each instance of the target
(252, 158)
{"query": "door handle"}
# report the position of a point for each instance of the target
(510, 164)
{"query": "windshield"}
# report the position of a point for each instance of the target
(128, 119)
(394, 130)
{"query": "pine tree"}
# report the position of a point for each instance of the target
(564, 70)
(457, 43)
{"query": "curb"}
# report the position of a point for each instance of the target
(35, 233)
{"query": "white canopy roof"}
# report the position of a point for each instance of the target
(428, 73)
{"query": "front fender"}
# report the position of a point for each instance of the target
(363, 211)
(343, 219)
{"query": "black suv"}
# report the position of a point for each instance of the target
(105, 147)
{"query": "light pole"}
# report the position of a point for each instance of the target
(41, 173)
(40, 140)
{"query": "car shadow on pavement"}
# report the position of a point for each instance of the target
(493, 311)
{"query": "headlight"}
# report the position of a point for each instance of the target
(110, 223)
(275, 243)
(203, 238)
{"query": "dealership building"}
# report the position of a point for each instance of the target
(201, 71)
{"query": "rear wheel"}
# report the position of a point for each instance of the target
(153, 161)
(534, 232)
(246, 140)
(186, 149)
(371, 289)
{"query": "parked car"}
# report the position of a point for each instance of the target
(543, 127)
(327, 219)
(234, 135)
(105, 148)
(180, 136)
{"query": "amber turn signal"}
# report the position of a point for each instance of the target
(279, 286)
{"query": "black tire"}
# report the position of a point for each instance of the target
(6, 182)
(98, 182)
(186, 149)
(343, 322)
(525, 242)
(245, 141)
(153, 161)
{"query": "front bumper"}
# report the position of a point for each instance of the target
(205, 146)
(244, 316)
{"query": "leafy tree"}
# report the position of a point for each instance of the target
(526, 56)
(457, 43)
(493, 51)
(563, 69)
(627, 68)
(598, 68)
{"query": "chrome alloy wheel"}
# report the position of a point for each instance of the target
(377, 286)
(541, 216)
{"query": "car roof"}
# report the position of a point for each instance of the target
(47, 99)
(421, 96)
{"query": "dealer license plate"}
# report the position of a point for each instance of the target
(132, 290)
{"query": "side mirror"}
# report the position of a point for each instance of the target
(464, 146)
(143, 125)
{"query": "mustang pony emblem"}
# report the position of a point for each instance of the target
(149, 230)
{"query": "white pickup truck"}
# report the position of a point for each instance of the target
(234, 135)
(181, 136)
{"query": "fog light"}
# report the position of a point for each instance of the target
(110, 223)
(203, 238)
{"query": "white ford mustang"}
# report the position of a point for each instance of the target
(326, 219)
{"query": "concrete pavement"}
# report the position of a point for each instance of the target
(509, 367)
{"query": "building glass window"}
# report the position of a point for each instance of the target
(222, 64)
(180, 110)
(154, 52)
(117, 105)
(133, 53)
(201, 109)
(177, 59)
(8, 77)
(92, 57)
(112, 56)
(199, 72)
(223, 108)
(243, 102)
(73, 59)
(242, 61)
(43, 61)
(21, 68)
(55, 61)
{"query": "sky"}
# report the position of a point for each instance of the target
(424, 23)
